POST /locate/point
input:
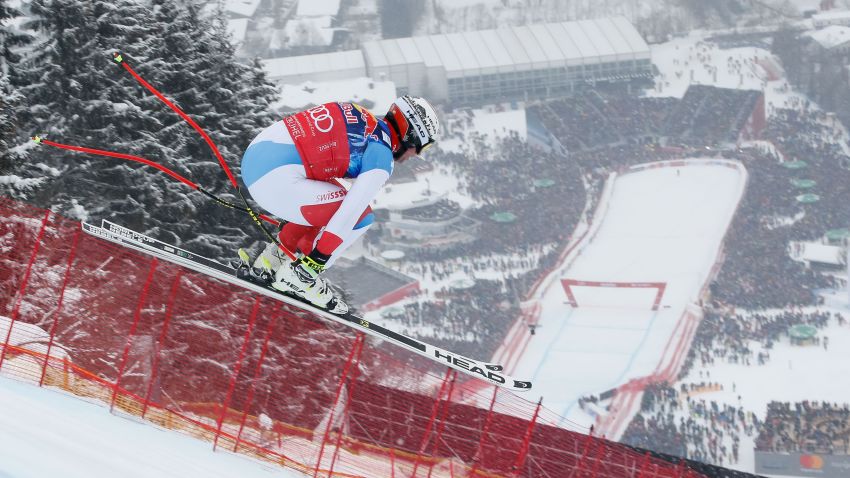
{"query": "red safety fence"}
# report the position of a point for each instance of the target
(254, 376)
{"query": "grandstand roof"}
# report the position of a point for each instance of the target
(514, 48)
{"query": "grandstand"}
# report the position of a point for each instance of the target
(595, 118)
(717, 115)
(804, 438)
(820, 428)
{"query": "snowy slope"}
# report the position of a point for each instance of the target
(662, 225)
(45, 434)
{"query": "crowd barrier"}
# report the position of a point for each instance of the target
(258, 377)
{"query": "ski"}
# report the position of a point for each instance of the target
(491, 373)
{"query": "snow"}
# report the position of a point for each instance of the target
(245, 8)
(316, 8)
(309, 31)
(238, 28)
(358, 90)
(792, 374)
(21, 183)
(833, 17)
(494, 122)
(439, 183)
(693, 60)
(822, 253)
(44, 433)
(329, 66)
(662, 225)
(690, 60)
(831, 36)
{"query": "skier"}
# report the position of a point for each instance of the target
(292, 169)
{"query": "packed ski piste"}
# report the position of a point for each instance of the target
(293, 169)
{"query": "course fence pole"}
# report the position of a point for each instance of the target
(22, 290)
(441, 424)
(137, 316)
(427, 435)
(246, 407)
(526, 441)
(585, 449)
(232, 385)
(169, 310)
(643, 466)
(53, 327)
(479, 454)
(348, 363)
(600, 455)
(346, 408)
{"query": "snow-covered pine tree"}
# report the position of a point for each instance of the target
(11, 103)
(80, 97)
(84, 98)
(10, 39)
(10, 152)
(198, 70)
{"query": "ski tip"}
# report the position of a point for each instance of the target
(37, 139)
(243, 255)
(522, 386)
(117, 57)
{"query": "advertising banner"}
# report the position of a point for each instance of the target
(802, 464)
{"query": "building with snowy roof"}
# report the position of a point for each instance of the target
(317, 8)
(343, 65)
(238, 29)
(524, 62)
(510, 63)
(835, 17)
(235, 8)
(833, 37)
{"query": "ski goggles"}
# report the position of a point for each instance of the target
(411, 140)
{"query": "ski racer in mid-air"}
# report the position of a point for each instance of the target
(292, 169)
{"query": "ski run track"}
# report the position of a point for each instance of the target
(655, 222)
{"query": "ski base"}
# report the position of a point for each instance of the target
(255, 281)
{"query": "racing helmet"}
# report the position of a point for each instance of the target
(415, 122)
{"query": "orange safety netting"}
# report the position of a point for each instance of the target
(255, 376)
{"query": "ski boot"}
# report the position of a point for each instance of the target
(271, 256)
(261, 272)
(299, 278)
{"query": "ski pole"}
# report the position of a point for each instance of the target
(99, 152)
(119, 59)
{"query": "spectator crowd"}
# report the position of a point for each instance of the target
(678, 422)
(758, 294)
(806, 427)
